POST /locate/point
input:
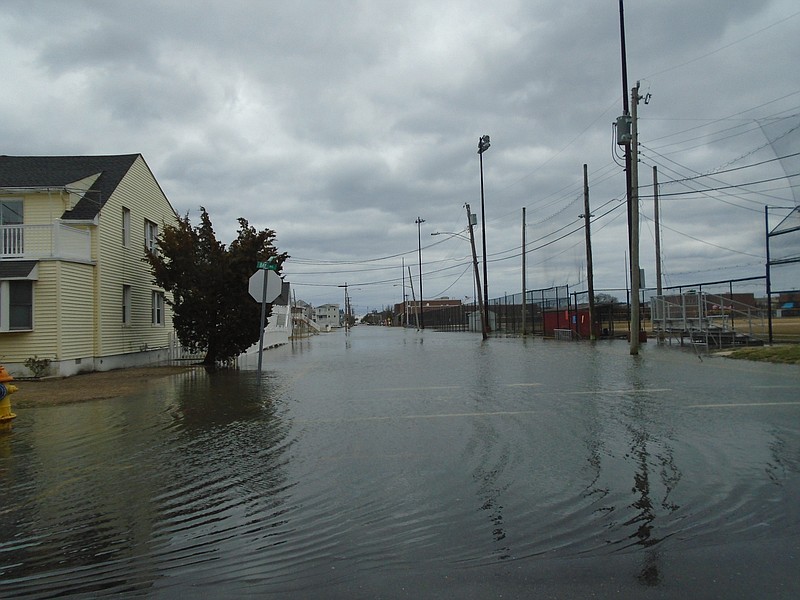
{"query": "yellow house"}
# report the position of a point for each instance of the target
(74, 287)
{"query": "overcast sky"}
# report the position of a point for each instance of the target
(339, 123)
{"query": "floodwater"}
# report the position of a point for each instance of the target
(399, 464)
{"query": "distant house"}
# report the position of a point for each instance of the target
(329, 316)
(74, 288)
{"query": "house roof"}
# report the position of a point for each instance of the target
(17, 269)
(59, 171)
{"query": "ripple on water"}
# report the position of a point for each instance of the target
(299, 484)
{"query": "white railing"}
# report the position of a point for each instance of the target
(45, 241)
(178, 353)
(276, 333)
(302, 325)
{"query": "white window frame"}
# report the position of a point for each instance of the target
(5, 306)
(127, 304)
(126, 227)
(158, 308)
(150, 235)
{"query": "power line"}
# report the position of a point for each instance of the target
(726, 46)
(718, 172)
(727, 187)
(691, 237)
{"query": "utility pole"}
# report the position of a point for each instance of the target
(656, 218)
(626, 140)
(405, 304)
(421, 312)
(659, 290)
(483, 146)
(589, 269)
(346, 308)
(524, 249)
(471, 222)
(413, 297)
(634, 230)
(624, 120)
(769, 277)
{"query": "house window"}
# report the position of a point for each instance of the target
(126, 305)
(126, 227)
(16, 305)
(11, 211)
(10, 230)
(150, 235)
(158, 308)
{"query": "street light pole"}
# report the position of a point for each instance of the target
(419, 223)
(483, 146)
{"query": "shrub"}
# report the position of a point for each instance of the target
(37, 366)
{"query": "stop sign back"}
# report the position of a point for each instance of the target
(274, 285)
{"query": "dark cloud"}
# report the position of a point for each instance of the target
(339, 123)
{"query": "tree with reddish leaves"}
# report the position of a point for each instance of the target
(213, 311)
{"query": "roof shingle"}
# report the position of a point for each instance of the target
(58, 171)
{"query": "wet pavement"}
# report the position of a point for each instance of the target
(400, 464)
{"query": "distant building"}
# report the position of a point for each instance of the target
(304, 310)
(304, 319)
(329, 316)
(787, 305)
(405, 313)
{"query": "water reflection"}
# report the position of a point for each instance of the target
(114, 490)
(488, 475)
(352, 467)
(649, 450)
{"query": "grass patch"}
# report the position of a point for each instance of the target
(789, 354)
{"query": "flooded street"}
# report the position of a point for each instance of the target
(392, 463)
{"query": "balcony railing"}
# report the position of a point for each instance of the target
(45, 241)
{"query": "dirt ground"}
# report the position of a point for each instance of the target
(88, 386)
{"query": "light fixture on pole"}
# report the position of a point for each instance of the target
(419, 223)
(483, 146)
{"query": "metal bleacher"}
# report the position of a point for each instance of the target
(706, 319)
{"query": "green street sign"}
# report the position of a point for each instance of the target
(269, 266)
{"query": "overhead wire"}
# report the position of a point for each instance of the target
(682, 179)
(570, 191)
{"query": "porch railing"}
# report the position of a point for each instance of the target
(45, 241)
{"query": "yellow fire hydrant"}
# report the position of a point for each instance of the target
(6, 389)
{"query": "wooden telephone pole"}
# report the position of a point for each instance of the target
(589, 269)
